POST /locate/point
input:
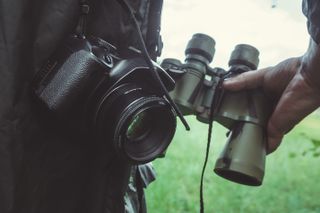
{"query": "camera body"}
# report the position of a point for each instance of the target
(90, 89)
(244, 113)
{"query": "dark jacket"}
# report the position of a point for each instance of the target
(44, 170)
(311, 9)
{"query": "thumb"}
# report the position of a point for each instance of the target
(248, 80)
(297, 101)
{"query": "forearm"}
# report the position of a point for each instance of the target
(311, 65)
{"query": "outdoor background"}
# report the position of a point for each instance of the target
(291, 183)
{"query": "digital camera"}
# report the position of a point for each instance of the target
(92, 90)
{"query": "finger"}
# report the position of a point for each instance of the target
(297, 101)
(274, 138)
(247, 80)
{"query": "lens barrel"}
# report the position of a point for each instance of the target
(243, 158)
(140, 126)
(246, 114)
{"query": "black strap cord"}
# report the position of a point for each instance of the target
(82, 24)
(149, 62)
(214, 107)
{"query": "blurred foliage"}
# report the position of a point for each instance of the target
(315, 149)
(290, 184)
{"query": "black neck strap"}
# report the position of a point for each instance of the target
(82, 23)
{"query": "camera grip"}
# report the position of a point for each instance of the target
(67, 82)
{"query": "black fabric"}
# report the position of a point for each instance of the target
(311, 9)
(141, 176)
(44, 169)
(147, 174)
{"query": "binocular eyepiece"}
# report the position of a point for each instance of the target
(246, 55)
(244, 113)
(201, 47)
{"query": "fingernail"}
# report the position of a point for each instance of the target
(228, 81)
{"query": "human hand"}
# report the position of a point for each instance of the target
(293, 93)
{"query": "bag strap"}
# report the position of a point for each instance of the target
(154, 40)
(82, 23)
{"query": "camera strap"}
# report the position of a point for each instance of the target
(82, 23)
(216, 102)
(154, 41)
(127, 7)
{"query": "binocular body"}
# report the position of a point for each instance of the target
(245, 113)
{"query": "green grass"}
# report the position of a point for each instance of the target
(291, 183)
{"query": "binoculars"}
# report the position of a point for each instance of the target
(245, 113)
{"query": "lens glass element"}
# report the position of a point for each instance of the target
(139, 127)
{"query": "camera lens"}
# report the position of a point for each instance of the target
(139, 125)
(151, 134)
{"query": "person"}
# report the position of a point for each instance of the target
(293, 85)
(46, 168)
